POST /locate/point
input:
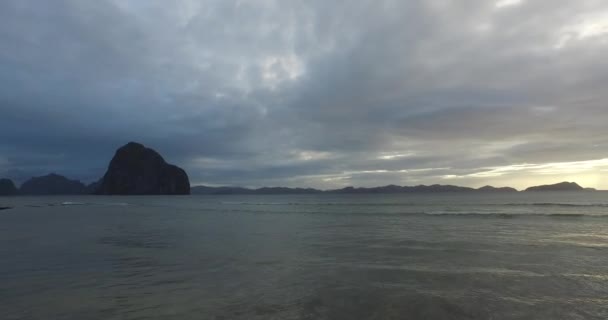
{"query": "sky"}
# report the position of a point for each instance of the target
(312, 93)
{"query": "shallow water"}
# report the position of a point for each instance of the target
(470, 256)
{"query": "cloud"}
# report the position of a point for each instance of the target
(309, 93)
(507, 3)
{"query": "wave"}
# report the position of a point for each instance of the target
(513, 214)
(438, 213)
(260, 203)
(321, 204)
(72, 203)
(556, 204)
(457, 271)
(120, 204)
(409, 204)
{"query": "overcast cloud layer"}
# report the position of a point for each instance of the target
(309, 93)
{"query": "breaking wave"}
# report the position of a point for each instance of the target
(407, 204)
(514, 214)
(72, 203)
(362, 204)
(565, 205)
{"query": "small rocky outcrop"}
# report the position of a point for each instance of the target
(52, 184)
(137, 170)
(7, 187)
(563, 186)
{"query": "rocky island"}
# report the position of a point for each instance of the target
(137, 170)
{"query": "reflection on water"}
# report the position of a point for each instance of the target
(305, 257)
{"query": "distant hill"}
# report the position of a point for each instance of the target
(7, 187)
(404, 189)
(284, 190)
(220, 190)
(240, 190)
(563, 186)
(52, 184)
(494, 189)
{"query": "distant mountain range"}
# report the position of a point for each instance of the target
(138, 170)
(54, 184)
(394, 189)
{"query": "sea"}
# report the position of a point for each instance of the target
(400, 256)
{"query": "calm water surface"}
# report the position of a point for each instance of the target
(509, 256)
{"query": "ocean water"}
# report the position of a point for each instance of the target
(433, 256)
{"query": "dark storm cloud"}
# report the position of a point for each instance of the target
(312, 93)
